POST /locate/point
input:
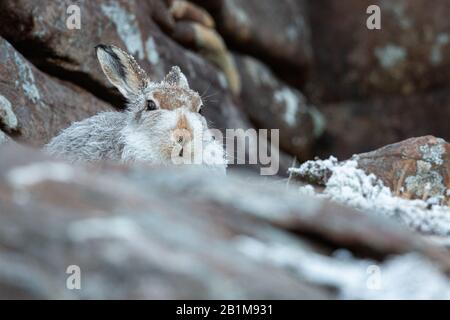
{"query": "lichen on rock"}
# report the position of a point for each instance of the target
(8, 118)
(426, 182)
(433, 153)
(127, 27)
(26, 76)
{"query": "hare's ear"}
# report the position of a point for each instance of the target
(176, 78)
(122, 70)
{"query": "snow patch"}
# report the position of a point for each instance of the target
(222, 80)
(399, 11)
(349, 185)
(3, 138)
(152, 52)
(292, 33)
(442, 40)
(319, 121)
(316, 172)
(408, 276)
(237, 12)
(126, 26)
(390, 55)
(38, 172)
(291, 102)
(307, 190)
(7, 115)
(27, 79)
(259, 73)
(101, 228)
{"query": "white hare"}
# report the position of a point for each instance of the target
(162, 123)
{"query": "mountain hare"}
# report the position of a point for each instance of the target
(162, 124)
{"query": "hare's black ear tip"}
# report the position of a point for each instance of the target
(105, 48)
(103, 51)
(102, 47)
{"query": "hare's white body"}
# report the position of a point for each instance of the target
(95, 138)
(161, 126)
(110, 136)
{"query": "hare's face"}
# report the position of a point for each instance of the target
(165, 124)
(178, 134)
(169, 118)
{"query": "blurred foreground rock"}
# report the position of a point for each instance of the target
(140, 232)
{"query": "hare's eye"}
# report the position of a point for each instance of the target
(200, 110)
(151, 105)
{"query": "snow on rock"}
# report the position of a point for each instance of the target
(27, 80)
(7, 115)
(316, 172)
(152, 52)
(127, 27)
(3, 138)
(407, 276)
(347, 184)
(290, 100)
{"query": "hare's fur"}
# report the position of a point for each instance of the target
(95, 138)
(162, 122)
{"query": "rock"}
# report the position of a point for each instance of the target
(347, 184)
(7, 117)
(54, 215)
(409, 54)
(272, 104)
(276, 31)
(360, 126)
(185, 10)
(69, 54)
(417, 168)
(210, 45)
(34, 106)
(40, 33)
(3, 138)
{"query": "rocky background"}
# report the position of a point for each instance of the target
(310, 68)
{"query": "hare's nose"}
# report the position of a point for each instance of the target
(181, 141)
(182, 137)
